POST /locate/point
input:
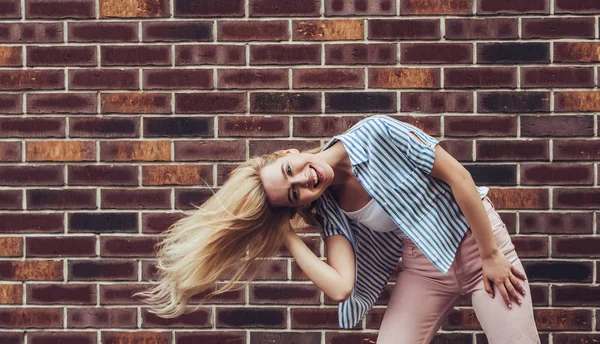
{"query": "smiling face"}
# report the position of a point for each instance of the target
(296, 179)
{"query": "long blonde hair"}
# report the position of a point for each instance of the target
(234, 230)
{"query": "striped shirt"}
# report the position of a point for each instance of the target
(393, 167)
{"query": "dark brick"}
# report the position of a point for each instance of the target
(32, 127)
(74, 294)
(582, 296)
(61, 337)
(246, 31)
(285, 102)
(482, 28)
(285, 54)
(201, 318)
(323, 126)
(185, 199)
(210, 102)
(572, 149)
(104, 127)
(436, 102)
(103, 222)
(61, 56)
(211, 337)
(209, 8)
(173, 79)
(109, 270)
(179, 127)
(120, 294)
(11, 103)
(493, 175)
(241, 126)
(511, 53)
(531, 247)
(61, 199)
(575, 338)
(551, 77)
(286, 337)
(461, 150)
(10, 151)
(360, 102)
(251, 78)
(557, 174)
(577, 6)
(155, 223)
(135, 199)
(136, 55)
(554, 28)
(12, 337)
(31, 317)
(209, 54)
(101, 317)
(11, 199)
(98, 79)
(177, 31)
(47, 175)
(10, 9)
(372, 53)
(276, 271)
(76, 246)
(564, 126)
(513, 7)
(112, 32)
(251, 318)
(576, 198)
(577, 247)
(221, 150)
(311, 318)
(284, 294)
(482, 77)
(235, 296)
(558, 271)
(403, 29)
(115, 337)
(103, 175)
(74, 103)
(349, 337)
(481, 126)
(284, 8)
(31, 32)
(260, 147)
(131, 246)
(562, 319)
(60, 9)
(416, 7)
(512, 150)
(513, 102)
(422, 53)
(336, 78)
(24, 80)
(556, 223)
(360, 8)
(31, 223)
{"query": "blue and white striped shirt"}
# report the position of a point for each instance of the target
(394, 168)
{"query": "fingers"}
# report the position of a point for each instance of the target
(513, 293)
(502, 288)
(518, 286)
(517, 273)
(488, 287)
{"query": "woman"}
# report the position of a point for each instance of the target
(382, 188)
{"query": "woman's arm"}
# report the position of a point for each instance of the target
(335, 279)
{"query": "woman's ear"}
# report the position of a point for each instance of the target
(291, 151)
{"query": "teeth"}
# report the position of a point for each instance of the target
(314, 175)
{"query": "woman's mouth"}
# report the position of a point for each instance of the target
(316, 176)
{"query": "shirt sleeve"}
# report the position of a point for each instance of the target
(420, 154)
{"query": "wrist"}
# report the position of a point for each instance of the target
(489, 254)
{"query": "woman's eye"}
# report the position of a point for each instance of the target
(295, 194)
(289, 170)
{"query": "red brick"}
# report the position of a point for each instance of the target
(11, 103)
(461, 150)
(74, 103)
(252, 78)
(44, 199)
(285, 102)
(576, 6)
(254, 126)
(575, 247)
(513, 7)
(101, 317)
(155, 223)
(285, 54)
(104, 127)
(77, 246)
(31, 32)
(482, 77)
(111, 32)
(223, 171)
(403, 29)
(563, 126)
(576, 198)
(31, 223)
(360, 8)
(11, 199)
(520, 198)
(120, 246)
(575, 338)
(31, 270)
(555, 28)
(137, 337)
(103, 79)
(211, 337)
(312, 318)
(23, 80)
(11, 9)
(436, 102)
(587, 101)
(31, 317)
(136, 102)
(209, 54)
(579, 52)
(436, 7)
(210, 8)
(10, 151)
(135, 199)
(23, 175)
(422, 53)
(557, 174)
(260, 147)
(482, 28)
(323, 126)
(102, 270)
(276, 271)
(177, 31)
(284, 8)
(230, 102)
(32, 127)
(246, 31)
(235, 296)
(563, 319)
(574, 149)
(286, 337)
(336, 78)
(486, 126)
(284, 294)
(531, 247)
(575, 295)
(551, 77)
(192, 174)
(51, 294)
(121, 294)
(373, 53)
(136, 55)
(176, 79)
(61, 56)
(72, 9)
(201, 318)
(556, 223)
(217, 150)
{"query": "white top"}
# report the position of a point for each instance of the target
(374, 217)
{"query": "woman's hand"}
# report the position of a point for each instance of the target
(498, 271)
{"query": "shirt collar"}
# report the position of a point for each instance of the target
(356, 152)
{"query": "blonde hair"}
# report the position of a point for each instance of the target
(234, 230)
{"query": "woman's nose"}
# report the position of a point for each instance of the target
(302, 179)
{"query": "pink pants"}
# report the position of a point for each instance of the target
(423, 296)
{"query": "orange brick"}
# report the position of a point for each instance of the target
(404, 78)
(135, 150)
(10, 56)
(177, 175)
(11, 294)
(136, 102)
(329, 30)
(512, 198)
(577, 101)
(137, 337)
(61, 150)
(35, 270)
(134, 8)
(429, 7)
(11, 247)
(577, 51)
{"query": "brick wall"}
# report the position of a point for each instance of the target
(113, 114)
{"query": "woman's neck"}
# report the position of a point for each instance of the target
(337, 157)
